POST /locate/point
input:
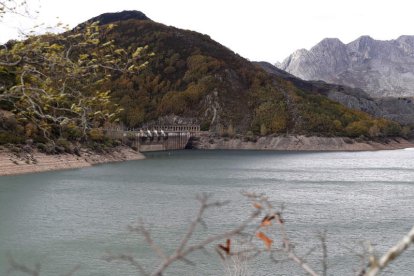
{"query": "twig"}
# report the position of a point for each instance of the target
(376, 265)
(187, 250)
(204, 205)
(322, 237)
(129, 259)
(147, 235)
(288, 249)
(10, 64)
(260, 201)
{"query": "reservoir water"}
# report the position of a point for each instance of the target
(68, 218)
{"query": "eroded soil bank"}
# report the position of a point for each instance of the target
(12, 163)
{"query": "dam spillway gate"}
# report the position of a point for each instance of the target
(156, 138)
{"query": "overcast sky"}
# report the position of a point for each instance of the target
(266, 30)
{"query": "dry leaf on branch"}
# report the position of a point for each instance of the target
(267, 220)
(266, 240)
(226, 248)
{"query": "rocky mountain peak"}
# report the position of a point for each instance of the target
(381, 68)
(406, 44)
(362, 44)
(330, 42)
(365, 39)
(107, 18)
(406, 39)
(328, 55)
(328, 45)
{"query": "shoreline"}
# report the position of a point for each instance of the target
(12, 163)
(23, 163)
(301, 143)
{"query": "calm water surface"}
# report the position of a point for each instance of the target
(68, 218)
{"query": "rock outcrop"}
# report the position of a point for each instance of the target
(381, 68)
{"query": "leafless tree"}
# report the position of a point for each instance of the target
(240, 245)
(252, 237)
(261, 218)
(184, 248)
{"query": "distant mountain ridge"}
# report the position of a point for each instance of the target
(381, 68)
(400, 109)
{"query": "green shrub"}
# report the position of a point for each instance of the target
(72, 132)
(65, 144)
(205, 126)
(357, 129)
(231, 132)
(11, 138)
(263, 129)
(48, 148)
(8, 122)
(96, 134)
(41, 147)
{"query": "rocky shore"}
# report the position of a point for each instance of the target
(12, 163)
(301, 143)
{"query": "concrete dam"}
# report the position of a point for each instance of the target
(156, 138)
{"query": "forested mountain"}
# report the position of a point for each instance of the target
(193, 76)
(169, 72)
(380, 68)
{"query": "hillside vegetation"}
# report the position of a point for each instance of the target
(170, 71)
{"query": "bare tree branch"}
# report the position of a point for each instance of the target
(261, 201)
(13, 63)
(147, 235)
(322, 237)
(189, 249)
(204, 204)
(128, 259)
(376, 265)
